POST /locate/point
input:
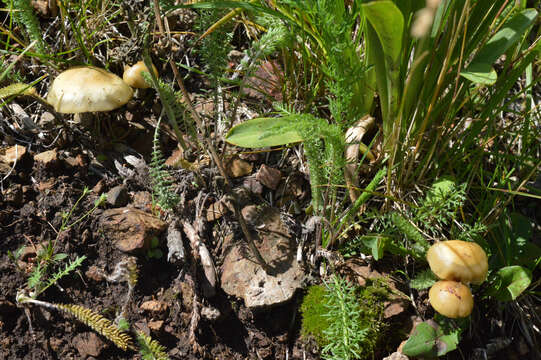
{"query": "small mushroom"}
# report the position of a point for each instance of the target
(132, 75)
(88, 89)
(451, 298)
(458, 260)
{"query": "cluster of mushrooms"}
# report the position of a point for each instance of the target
(457, 263)
(91, 89)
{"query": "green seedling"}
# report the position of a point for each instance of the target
(154, 252)
(429, 340)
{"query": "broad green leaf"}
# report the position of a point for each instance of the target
(388, 22)
(447, 343)
(430, 341)
(422, 342)
(510, 282)
(480, 69)
(376, 244)
(263, 132)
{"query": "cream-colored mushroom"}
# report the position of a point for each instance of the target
(88, 89)
(458, 260)
(133, 77)
(451, 298)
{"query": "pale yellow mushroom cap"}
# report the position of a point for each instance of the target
(451, 299)
(88, 89)
(133, 75)
(458, 260)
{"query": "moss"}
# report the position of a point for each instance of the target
(321, 316)
(313, 311)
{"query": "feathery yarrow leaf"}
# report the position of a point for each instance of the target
(150, 348)
(99, 323)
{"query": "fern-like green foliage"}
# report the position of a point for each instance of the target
(324, 146)
(161, 178)
(173, 100)
(215, 47)
(149, 348)
(440, 205)
(343, 319)
(100, 324)
(71, 266)
(275, 38)
(423, 280)
(417, 240)
(24, 16)
(38, 284)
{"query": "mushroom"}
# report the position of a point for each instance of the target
(458, 260)
(88, 89)
(451, 298)
(132, 75)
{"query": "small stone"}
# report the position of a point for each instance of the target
(98, 188)
(130, 229)
(269, 177)
(118, 196)
(394, 308)
(155, 325)
(48, 158)
(142, 199)
(12, 154)
(237, 168)
(243, 277)
(251, 184)
(210, 313)
(154, 306)
(88, 344)
(46, 120)
(216, 211)
(396, 356)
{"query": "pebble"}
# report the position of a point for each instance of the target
(118, 196)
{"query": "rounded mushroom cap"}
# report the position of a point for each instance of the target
(88, 89)
(132, 75)
(451, 299)
(458, 260)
